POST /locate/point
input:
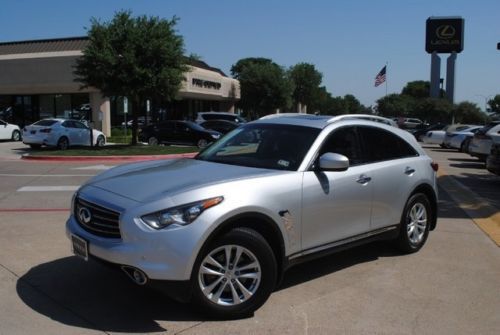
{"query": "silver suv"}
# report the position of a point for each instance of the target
(221, 229)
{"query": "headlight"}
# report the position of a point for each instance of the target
(181, 215)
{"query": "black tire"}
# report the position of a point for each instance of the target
(35, 146)
(101, 141)
(202, 143)
(251, 241)
(16, 135)
(153, 141)
(63, 143)
(410, 241)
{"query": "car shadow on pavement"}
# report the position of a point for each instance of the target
(98, 297)
(467, 165)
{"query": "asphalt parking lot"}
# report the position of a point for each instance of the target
(450, 287)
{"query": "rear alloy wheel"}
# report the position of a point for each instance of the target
(100, 141)
(16, 135)
(202, 143)
(415, 223)
(153, 141)
(235, 275)
(63, 143)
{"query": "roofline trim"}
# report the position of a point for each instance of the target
(48, 54)
(77, 38)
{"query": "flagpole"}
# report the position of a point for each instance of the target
(386, 63)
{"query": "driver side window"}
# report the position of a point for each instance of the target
(344, 141)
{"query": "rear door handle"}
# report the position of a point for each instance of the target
(409, 170)
(363, 179)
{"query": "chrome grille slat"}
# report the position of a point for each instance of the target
(103, 221)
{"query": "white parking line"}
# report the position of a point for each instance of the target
(47, 188)
(45, 175)
(94, 167)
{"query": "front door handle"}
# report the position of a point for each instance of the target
(409, 170)
(363, 179)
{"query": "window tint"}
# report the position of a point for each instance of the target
(167, 126)
(381, 145)
(68, 124)
(343, 141)
(79, 125)
(45, 123)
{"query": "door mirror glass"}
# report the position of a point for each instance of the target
(333, 162)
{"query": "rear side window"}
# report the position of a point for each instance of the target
(381, 145)
(45, 123)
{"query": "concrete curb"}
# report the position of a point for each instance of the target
(135, 158)
(485, 216)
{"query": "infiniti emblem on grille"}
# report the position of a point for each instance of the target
(84, 215)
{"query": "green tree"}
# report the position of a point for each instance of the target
(306, 80)
(433, 110)
(135, 57)
(419, 89)
(468, 112)
(264, 84)
(394, 105)
(495, 104)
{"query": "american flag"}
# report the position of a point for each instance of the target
(380, 78)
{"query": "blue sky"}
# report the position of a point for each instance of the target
(348, 41)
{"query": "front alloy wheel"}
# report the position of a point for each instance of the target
(153, 141)
(415, 223)
(229, 275)
(63, 143)
(235, 275)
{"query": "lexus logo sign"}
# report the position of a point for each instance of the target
(444, 34)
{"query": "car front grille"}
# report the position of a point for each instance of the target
(96, 219)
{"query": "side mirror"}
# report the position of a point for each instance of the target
(333, 162)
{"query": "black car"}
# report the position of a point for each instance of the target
(493, 160)
(178, 132)
(422, 131)
(222, 126)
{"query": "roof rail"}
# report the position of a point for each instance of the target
(273, 116)
(368, 117)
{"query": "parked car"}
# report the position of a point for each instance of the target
(480, 145)
(178, 132)
(493, 160)
(420, 133)
(206, 116)
(61, 133)
(9, 131)
(412, 123)
(221, 229)
(221, 126)
(437, 136)
(456, 139)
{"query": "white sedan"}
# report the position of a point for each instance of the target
(456, 139)
(61, 133)
(9, 131)
(437, 136)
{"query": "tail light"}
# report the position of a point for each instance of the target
(435, 166)
(46, 130)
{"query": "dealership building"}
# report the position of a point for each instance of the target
(37, 81)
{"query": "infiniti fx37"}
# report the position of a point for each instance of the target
(220, 229)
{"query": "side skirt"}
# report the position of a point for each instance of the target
(386, 233)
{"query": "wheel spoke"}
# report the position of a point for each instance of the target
(209, 271)
(215, 297)
(251, 275)
(227, 250)
(210, 260)
(236, 296)
(248, 266)
(208, 289)
(246, 293)
(239, 251)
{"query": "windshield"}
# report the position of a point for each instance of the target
(268, 146)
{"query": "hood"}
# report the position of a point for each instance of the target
(148, 181)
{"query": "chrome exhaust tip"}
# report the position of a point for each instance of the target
(136, 275)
